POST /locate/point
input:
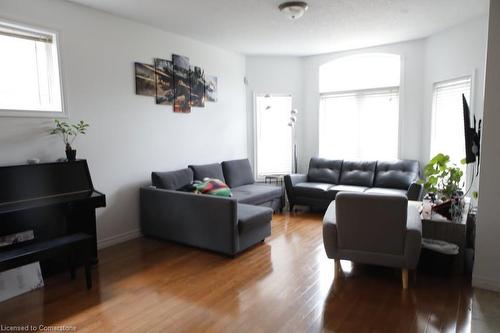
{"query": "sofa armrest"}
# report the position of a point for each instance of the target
(295, 178)
(330, 241)
(199, 220)
(415, 192)
(290, 182)
(413, 237)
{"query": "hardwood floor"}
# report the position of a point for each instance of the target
(283, 285)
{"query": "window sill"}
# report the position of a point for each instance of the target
(32, 114)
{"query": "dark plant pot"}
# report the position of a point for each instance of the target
(443, 209)
(71, 154)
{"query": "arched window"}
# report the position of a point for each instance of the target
(359, 107)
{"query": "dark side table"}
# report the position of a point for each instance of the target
(456, 232)
(280, 181)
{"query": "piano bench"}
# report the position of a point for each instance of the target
(23, 255)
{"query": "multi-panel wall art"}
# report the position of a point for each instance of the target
(175, 83)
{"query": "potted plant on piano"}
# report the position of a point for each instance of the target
(68, 133)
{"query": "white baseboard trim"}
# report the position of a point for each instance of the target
(482, 283)
(116, 239)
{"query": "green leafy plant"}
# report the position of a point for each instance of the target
(68, 131)
(442, 178)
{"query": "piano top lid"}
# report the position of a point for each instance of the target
(34, 181)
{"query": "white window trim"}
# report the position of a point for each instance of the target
(37, 113)
(469, 170)
(255, 158)
(402, 116)
(360, 91)
(430, 115)
(470, 102)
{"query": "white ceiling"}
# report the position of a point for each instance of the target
(257, 26)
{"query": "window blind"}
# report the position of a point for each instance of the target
(273, 135)
(360, 124)
(13, 31)
(29, 66)
(447, 118)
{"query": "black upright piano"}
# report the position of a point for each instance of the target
(52, 200)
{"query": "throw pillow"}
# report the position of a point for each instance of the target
(213, 186)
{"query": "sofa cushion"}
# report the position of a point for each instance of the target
(238, 172)
(397, 174)
(388, 191)
(317, 190)
(359, 173)
(201, 172)
(348, 188)
(324, 171)
(256, 194)
(250, 217)
(172, 180)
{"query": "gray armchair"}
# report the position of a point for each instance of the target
(373, 229)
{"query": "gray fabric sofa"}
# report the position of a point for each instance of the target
(224, 225)
(325, 178)
(376, 229)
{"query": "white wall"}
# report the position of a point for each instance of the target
(300, 75)
(410, 96)
(451, 54)
(272, 75)
(487, 268)
(129, 135)
(454, 53)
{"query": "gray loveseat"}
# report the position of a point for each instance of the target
(224, 225)
(325, 178)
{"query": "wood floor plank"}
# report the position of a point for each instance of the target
(286, 284)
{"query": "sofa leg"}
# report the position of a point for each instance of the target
(404, 278)
(88, 275)
(338, 268)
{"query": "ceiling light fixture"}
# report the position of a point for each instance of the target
(293, 9)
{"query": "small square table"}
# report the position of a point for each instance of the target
(435, 226)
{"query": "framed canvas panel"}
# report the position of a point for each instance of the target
(164, 81)
(211, 88)
(145, 83)
(182, 84)
(197, 87)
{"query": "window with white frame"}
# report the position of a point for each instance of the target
(447, 135)
(29, 66)
(359, 107)
(273, 136)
